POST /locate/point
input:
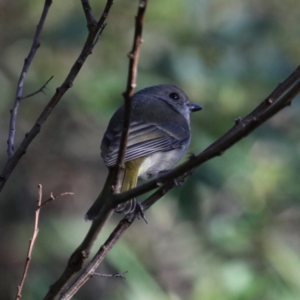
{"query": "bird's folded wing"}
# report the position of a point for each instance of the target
(144, 139)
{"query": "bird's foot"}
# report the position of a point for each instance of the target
(132, 209)
(139, 211)
(126, 208)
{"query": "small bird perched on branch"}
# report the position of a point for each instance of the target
(159, 135)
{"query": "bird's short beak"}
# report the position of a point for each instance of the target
(194, 106)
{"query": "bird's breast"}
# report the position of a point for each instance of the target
(160, 161)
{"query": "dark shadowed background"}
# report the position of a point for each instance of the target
(231, 232)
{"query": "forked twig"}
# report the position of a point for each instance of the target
(40, 90)
(53, 197)
(31, 243)
(40, 204)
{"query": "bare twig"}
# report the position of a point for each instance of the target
(31, 243)
(53, 197)
(66, 85)
(40, 90)
(27, 62)
(40, 204)
(131, 84)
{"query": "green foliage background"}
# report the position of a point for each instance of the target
(231, 232)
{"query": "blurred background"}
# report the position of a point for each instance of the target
(232, 231)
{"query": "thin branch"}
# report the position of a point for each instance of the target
(27, 62)
(99, 34)
(66, 85)
(91, 21)
(40, 90)
(131, 84)
(117, 275)
(31, 243)
(40, 204)
(53, 197)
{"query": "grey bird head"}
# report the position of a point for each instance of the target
(171, 95)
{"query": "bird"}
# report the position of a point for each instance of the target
(159, 136)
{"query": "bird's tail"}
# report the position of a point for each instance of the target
(95, 209)
(132, 169)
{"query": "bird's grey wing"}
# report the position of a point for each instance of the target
(144, 139)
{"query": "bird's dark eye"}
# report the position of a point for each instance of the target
(174, 96)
